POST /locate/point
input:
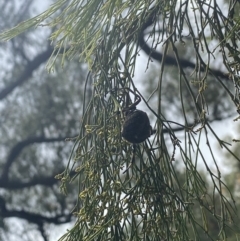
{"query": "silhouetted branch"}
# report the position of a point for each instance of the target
(41, 180)
(192, 125)
(47, 181)
(27, 73)
(43, 233)
(17, 149)
(168, 60)
(32, 217)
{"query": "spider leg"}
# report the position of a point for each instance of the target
(137, 98)
(152, 131)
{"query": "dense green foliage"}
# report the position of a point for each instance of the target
(152, 200)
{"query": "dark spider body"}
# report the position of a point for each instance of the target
(136, 127)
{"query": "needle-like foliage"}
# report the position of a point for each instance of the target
(151, 200)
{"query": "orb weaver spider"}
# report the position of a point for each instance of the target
(136, 126)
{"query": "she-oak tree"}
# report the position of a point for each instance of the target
(148, 201)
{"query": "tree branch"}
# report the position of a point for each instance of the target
(27, 73)
(42, 231)
(32, 217)
(17, 149)
(16, 184)
(47, 181)
(168, 60)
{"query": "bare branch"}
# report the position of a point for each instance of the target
(27, 73)
(42, 231)
(17, 149)
(32, 217)
(16, 184)
(168, 60)
(47, 181)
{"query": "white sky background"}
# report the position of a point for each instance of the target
(42, 5)
(223, 128)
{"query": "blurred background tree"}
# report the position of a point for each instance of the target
(38, 112)
(170, 191)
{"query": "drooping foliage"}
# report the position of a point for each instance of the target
(150, 200)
